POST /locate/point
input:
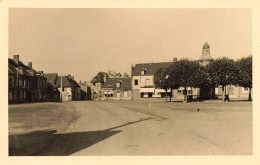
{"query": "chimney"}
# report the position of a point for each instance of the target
(16, 58)
(69, 76)
(85, 82)
(174, 60)
(132, 69)
(30, 64)
(80, 81)
(105, 77)
(72, 77)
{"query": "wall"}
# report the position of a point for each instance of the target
(141, 81)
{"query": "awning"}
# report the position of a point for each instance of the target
(150, 90)
(161, 90)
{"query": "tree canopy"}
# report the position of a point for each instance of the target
(160, 79)
(222, 72)
(244, 77)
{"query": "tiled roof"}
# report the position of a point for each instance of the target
(66, 82)
(111, 83)
(99, 78)
(150, 68)
(12, 65)
(51, 77)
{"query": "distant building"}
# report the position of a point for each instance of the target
(24, 83)
(53, 93)
(143, 82)
(85, 90)
(97, 81)
(116, 89)
(69, 88)
(111, 85)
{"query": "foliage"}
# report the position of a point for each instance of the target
(160, 79)
(222, 72)
(183, 73)
(244, 77)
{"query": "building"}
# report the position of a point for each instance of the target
(53, 94)
(97, 81)
(24, 83)
(111, 85)
(69, 88)
(143, 83)
(116, 89)
(85, 90)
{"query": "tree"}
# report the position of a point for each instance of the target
(161, 79)
(222, 72)
(183, 74)
(244, 78)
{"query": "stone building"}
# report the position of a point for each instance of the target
(24, 83)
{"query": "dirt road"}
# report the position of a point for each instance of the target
(139, 128)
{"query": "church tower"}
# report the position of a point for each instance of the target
(205, 55)
(205, 59)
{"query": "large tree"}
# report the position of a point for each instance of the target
(222, 72)
(244, 78)
(183, 74)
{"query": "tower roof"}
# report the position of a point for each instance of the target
(205, 56)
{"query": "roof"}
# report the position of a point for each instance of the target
(205, 56)
(66, 82)
(150, 68)
(99, 78)
(12, 65)
(51, 77)
(111, 83)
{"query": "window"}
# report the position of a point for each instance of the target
(150, 95)
(190, 92)
(142, 95)
(24, 83)
(118, 85)
(10, 82)
(109, 94)
(24, 94)
(142, 72)
(136, 82)
(179, 92)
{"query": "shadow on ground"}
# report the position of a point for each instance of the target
(48, 143)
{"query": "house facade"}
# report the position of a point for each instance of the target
(69, 88)
(24, 83)
(116, 89)
(111, 86)
(53, 94)
(143, 84)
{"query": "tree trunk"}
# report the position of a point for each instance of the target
(170, 94)
(223, 93)
(166, 95)
(226, 96)
(249, 97)
(185, 95)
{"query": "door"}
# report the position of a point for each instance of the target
(118, 95)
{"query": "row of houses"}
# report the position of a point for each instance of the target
(25, 84)
(141, 85)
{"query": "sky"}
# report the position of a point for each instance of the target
(82, 42)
